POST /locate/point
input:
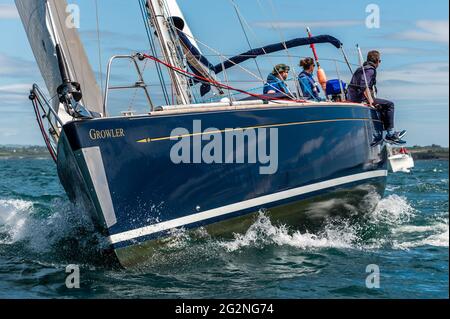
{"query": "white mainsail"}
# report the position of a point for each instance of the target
(45, 23)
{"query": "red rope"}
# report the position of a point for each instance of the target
(215, 83)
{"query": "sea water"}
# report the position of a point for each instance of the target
(405, 239)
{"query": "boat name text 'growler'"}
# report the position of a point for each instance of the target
(104, 134)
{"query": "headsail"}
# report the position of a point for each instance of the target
(175, 11)
(45, 25)
(174, 32)
(160, 22)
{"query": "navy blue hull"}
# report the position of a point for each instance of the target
(121, 169)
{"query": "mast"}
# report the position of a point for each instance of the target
(166, 37)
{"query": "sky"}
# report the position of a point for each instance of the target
(412, 36)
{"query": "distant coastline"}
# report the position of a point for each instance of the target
(432, 152)
(18, 151)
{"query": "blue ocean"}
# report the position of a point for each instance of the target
(406, 239)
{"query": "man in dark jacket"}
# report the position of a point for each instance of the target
(359, 92)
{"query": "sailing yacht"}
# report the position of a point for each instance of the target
(189, 164)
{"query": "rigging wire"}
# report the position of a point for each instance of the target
(218, 84)
(144, 13)
(229, 55)
(218, 54)
(260, 43)
(226, 79)
(269, 57)
(283, 40)
(133, 99)
(238, 13)
(235, 64)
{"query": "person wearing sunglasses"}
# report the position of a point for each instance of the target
(360, 92)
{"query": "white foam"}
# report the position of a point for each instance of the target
(13, 218)
(392, 214)
(432, 235)
(19, 223)
(439, 240)
(392, 210)
(420, 229)
(263, 232)
(178, 238)
(391, 188)
(395, 212)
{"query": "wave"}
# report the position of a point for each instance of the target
(382, 228)
(66, 233)
(263, 232)
(392, 210)
(69, 234)
(13, 220)
(436, 234)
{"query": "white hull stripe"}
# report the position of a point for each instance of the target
(216, 212)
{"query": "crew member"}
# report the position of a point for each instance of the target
(309, 86)
(276, 81)
(359, 92)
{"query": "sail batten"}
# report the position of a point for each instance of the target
(45, 26)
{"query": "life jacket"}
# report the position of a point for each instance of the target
(310, 88)
(275, 84)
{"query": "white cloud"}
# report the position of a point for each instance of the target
(416, 81)
(430, 31)
(18, 88)
(8, 132)
(414, 51)
(424, 73)
(304, 24)
(428, 93)
(15, 67)
(8, 11)
(407, 50)
(14, 97)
